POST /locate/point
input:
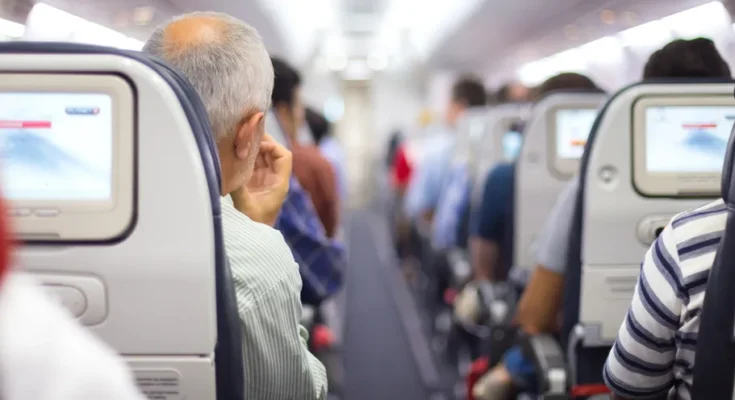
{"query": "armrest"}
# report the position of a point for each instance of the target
(459, 265)
(548, 358)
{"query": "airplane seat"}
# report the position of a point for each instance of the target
(714, 365)
(626, 196)
(490, 149)
(554, 142)
(485, 151)
(141, 260)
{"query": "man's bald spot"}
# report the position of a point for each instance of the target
(191, 32)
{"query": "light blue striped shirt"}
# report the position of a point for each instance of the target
(278, 364)
(654, 351)
(428, 179)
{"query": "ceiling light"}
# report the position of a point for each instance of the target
(630, 18)
(337, 62)
(652, 33)
(377, 62)
(607, 17)
(142, 16)
(357, 70)
(698, 21)
(607, 49)
(11, 29)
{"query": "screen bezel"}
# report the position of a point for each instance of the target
(563, 167)
(671, 184)
(82, 220)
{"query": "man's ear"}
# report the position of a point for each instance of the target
(247, 132)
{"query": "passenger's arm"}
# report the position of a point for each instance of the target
(278, 364)
(483, 255)
(321, 260)
(540, 303)
(487, 230)
(640, 364)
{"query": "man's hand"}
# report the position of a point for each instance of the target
(262, 197)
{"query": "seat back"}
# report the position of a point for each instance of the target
(489, 150)
(714, 364)
(553, 144)
(639, 169)
(161, 291)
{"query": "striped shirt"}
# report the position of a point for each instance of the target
(278, 364)
(654, 352)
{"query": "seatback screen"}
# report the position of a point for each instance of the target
(572, 129)
(56, 146)
(687, 139)
(512, 142)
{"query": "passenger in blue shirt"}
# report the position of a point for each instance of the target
(491, 246)
(492, 232)
(429, 177)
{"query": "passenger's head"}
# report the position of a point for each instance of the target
(467, 92)
(286, 98)
(226, 62)
(566, 81)
(696, 58)
(511, 92)
(318, 125)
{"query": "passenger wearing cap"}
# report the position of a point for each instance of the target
(44, 353)
(226, 62)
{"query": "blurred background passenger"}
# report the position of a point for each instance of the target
(44, 353)
(331, 149)
(314, 172)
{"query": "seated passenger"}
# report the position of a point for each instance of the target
(228, 65)
(314, 172)
(429, 176)
(330, 148)
(540, 304)
(491, 233)
(44, 353)
(654, 352)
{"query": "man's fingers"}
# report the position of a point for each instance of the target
(275, 149)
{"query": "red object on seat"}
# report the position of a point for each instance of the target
(402, 168)
(579, 391)
(478, 368)
(449, 296)
(321, 337)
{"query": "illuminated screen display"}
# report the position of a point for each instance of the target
(572, 129)
(56, 146)
(512, 142)
(687, 138)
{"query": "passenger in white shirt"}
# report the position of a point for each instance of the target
(44, 353)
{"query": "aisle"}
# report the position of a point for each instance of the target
(378, 357)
